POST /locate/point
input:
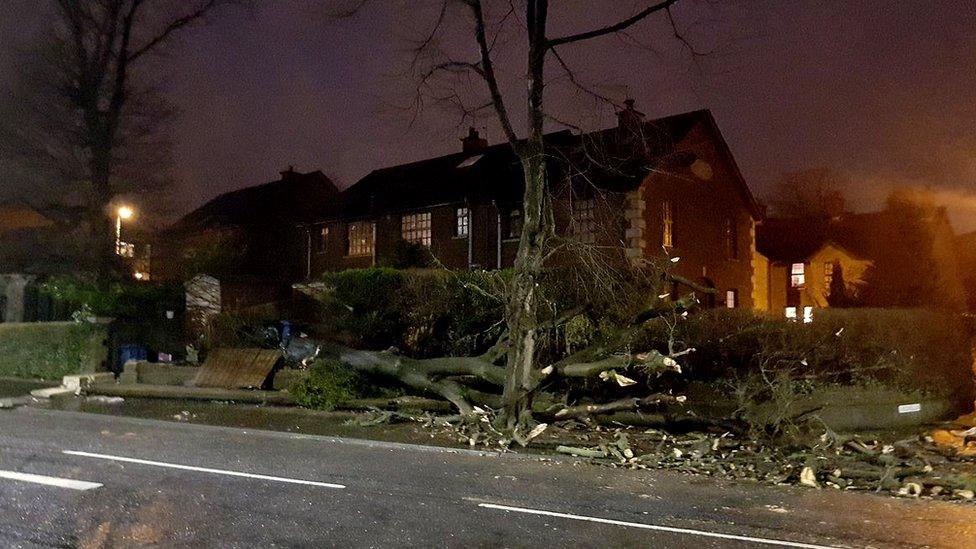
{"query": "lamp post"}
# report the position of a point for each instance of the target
(124, 212)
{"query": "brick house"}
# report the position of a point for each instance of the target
(248, 237)
(643, 187)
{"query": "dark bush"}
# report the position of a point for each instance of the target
(329, 384)
(901, 348)
(422, 312)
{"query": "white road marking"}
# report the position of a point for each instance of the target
(687, 531)
(50, 481)
(204, 469)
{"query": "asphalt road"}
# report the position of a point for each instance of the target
(103, 481)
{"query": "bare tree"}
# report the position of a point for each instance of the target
(89, 115)
(808, 193)
(506, 20)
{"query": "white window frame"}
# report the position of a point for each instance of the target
(731, 299)
(415, 228)
(798, 276)
(359, 238)
(462, 222)
(515, 221)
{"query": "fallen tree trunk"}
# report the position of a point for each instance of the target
(615, 406)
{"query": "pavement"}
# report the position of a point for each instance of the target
(70, 479)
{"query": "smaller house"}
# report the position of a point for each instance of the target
(807, 260)
(902, 256)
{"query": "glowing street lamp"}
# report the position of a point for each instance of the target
(124, 212)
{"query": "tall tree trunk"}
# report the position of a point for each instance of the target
(536, 227)
(102, 227)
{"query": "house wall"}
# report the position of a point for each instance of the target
(703, 197)
(815, 289)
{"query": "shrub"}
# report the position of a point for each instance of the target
(900, 348)
(421, 312)
(130, 300)
(329, 384)
(51, 350)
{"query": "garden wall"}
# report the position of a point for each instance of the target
(51, 350)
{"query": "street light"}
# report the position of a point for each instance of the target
(124, 212)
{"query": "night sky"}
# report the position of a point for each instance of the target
(881, 91)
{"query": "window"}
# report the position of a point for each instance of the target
(323, 238)
(797, 275)
(807, 315)
(126, 249)
(514, 224)
(360, 238)
(731, 239)
(731, 299)
(667, 222)
(416, 228)
(829, 274)
(462, 222)
(791, 313)
(583, 227)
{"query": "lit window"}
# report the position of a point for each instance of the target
(797, 275)
(323, 238)
(515, 224)
(791, 313)
(416, 228)
(126, 249)
(667, 221)
(360, 238)
(583, 227)
(462, 222)
(731, 239)
(731, 299)
(828, 274)
(807, 315)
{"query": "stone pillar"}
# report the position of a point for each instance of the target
(636, 225)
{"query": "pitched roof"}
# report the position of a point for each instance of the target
(608, 156)
(295, 198)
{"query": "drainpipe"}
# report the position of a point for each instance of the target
(498, 236)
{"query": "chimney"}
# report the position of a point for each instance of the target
(288, 173)
(473, 141)
(630, 119)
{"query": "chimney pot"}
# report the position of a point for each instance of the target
(630, 119)
(473, 141)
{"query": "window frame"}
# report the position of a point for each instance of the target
(462, 222)
(416, 228)
(798, 277)
(365, 244)
(323, 239)
(667, 224)
(513, 224)
(731, 239)
(583, 223)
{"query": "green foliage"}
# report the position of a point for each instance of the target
(408, 255)
(329, 384)
(50, 350)
(421, 312)
(906, 349)
(118, 299)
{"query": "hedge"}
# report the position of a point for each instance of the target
(51, 350)
(905, 349)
